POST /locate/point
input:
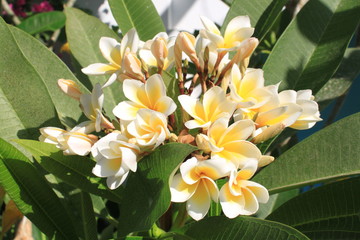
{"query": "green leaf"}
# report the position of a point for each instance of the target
(262, 14)
(41, 22)
(138, 14)
(147, 191)
(328, 154)
(74, 170)
(83, 33)
(88, 217)
(311, 48)
(341, 81)
(29, 96)
(240, 228)
(32, 194)
(275, 201)
(327, 212)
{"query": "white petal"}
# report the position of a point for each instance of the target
(131, 41)
(110, 49)
(115, 182)
(112, 79)
(99, 69)
(80, 145)
(231, 205)
(209, 25)
(180, 190)
(129, 158)
(261, 193)
(287, 96)
(199, 203)
(131, 89)
(187, 170)
(126, 110)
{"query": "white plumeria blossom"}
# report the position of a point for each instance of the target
(149, 95)
(149, 128)
(115, 157)
(310, 110)
(238, 30)
(71, 143)
(214, 105)
(91, 105)
(147, 52)
(196, 184)
(230, 142)
(114, 52)
(248, 90)
(239, 196)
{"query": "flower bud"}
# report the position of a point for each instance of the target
(132, 67)
(203, 143)
(70, 88)
(160, 51)
(268, 132)
(186, 43)
(245, 49)
(265, 160)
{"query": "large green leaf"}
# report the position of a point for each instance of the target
(74, 170)
(41, 22)
(32, 194)
(262, 14)
(328, 154)
(138, 14)
(29, 97)
(240, 228)
(88, 217)
(147, 191)
(311, 48)
(341, 81)
(327, 212)
(83, 33)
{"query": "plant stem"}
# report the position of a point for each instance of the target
(10, 12)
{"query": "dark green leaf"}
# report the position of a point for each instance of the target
(327, 212)
(29, 96)
(83, 33)
(341, 81)
(32, 194)
(41, 22)
(88, 217)
(240, 228)
(147, 191)
(311, 48)
(74, 170)
(328, 154)
(138, 14)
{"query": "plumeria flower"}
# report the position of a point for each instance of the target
(230, 142)
(239, 196)
(213, 106)
(310, 110)
(115, 158)
(196, 184)
(159, 52)
(70, 88)
(149, 95)
(248, 90)
(114, 52)
(91, 104)
(237, 30)
(70, 142)
(149, 129)
(131, 67)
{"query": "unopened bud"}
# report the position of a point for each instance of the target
(186, 43)
(268, 133)
(173, 137)
(203, 143)
(160, 51)
(70, 88)
(265, 160)
(245, 49)
(132, 66)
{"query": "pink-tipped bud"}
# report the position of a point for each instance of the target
(160, 51)
(186, 43)
(132, 66)
(70, 88)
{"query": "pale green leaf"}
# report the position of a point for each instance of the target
(138, 14)
(240, 228)
(311, 48)
(147, 191)
(83, 33)
(328, 154)
(74, 170)
(327, 212)
(32, 194)
(41, 22)
(29, 96)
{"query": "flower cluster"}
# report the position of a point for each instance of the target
(226, 110)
